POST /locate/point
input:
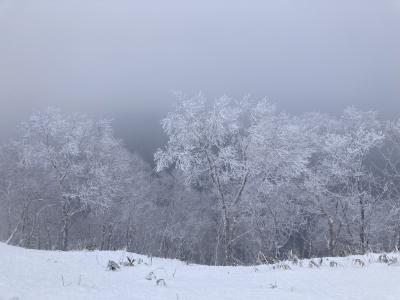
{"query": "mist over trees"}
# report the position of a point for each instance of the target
(238, 182)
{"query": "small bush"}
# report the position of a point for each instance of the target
(130, 262)
(333, 264)
(112, 265)
(161, 282)
(313, 264)
(383, 258)
(359, 262)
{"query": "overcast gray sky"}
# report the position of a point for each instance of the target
(123, 59)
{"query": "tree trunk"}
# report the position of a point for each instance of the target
(65, 227)
(331, 242)
(227, 237)
(110, 232)
(362, 226)
(49, 241)
(128, 238)
(11, 236)
(224, 209)
(103, 237)
(398, 241)
(20, 222)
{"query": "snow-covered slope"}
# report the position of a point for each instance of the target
(33, 274)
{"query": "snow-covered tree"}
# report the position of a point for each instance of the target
(388, 168)
(84, 161)
(228, 142)
(348, 150)
(241, 182)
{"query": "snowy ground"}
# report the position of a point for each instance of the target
(33, 274)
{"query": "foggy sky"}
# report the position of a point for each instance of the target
(122, 59)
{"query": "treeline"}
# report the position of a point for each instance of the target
(238, 182)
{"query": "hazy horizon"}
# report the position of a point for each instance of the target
(123, 59)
